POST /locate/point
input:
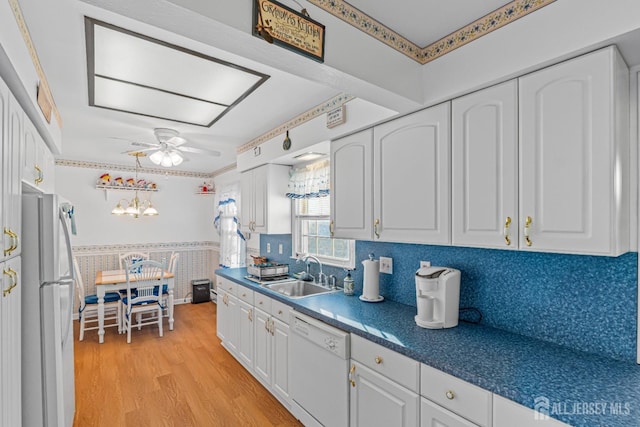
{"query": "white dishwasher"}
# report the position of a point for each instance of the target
(319, 365)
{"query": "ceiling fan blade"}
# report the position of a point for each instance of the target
(199, 151)
(145, 144)
(176, 141)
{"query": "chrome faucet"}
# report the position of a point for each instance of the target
(322, 278)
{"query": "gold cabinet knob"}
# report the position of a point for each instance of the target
(450, 395)
(378, 360)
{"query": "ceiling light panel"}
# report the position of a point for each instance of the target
(135, 99)
(123, 56)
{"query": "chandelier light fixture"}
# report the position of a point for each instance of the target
(135, 207)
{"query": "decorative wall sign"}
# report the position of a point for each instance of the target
(288, 28)
(336, 117)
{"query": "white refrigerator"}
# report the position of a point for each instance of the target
(48, 389)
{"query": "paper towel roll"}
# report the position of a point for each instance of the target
(371, 285)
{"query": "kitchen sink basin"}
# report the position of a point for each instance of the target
(298, 289)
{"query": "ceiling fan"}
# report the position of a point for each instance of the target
(169, 149)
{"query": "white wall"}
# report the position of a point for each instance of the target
(184, 215)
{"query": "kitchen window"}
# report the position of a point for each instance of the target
(309, 189)
(311, 233)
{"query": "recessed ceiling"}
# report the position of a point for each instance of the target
(133, 73)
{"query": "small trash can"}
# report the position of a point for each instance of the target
(200, 288)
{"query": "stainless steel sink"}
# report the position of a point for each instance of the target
(298, 289)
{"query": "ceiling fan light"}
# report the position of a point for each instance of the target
(176, 158)
(156, 157)
(166, 160)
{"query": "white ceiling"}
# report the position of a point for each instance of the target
(94, 134)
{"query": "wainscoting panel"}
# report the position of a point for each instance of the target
(198, 260)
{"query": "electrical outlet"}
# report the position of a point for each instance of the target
(425, 264)
(268, 248)
(280, 248)
(386, 265)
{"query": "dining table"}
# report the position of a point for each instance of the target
(116, 280)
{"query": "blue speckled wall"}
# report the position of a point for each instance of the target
(585, 302)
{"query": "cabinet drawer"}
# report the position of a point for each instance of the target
(262, 302)
(434, 415)
(245, 294)
(280, 311)
(467, 400)
(395, 366)
(226, 285)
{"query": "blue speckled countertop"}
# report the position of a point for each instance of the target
(513, 366)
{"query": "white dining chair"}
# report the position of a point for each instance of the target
(144, 295)
(88, 306)
(131, 257)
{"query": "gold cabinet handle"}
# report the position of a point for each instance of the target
(331, 227)
(351, 372)
(40, 176)
(527, 230)
(378, 360)
(507, 226)
(250, 315)
(375, 228)
(273, 327)
(266, 326)
(14, 241)
(450, 395)
(14, 280)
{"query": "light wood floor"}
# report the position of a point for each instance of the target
(185, 378)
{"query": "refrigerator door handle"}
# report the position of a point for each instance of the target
(67, 238)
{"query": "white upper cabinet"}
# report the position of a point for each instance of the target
(574, 156)
(351, 189)
(412, 178)
(11, 121)
(264, 207)
(407, 160)
(37, 161)
(485, 168)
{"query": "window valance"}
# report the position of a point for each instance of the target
(309, 181)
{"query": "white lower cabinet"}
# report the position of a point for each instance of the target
(255, 330)
(272, 346)
(227, 309)
(507, 413)
(384, 386)
(245, 334)
(10, 343)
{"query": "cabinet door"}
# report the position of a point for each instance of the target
(261, 198)
(280, 358)
(351, 189)
(412, 178)
(432, 415)
(485, 168)
(12, 200)
(31, 170)
(222, 315)
(7, 239)
(246, 200)
(10, 344)
(245, 334)
(567, 166)
(378, 401)
(262, 336)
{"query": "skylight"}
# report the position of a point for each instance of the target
(136, 74)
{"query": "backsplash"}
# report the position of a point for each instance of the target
(584, 302)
